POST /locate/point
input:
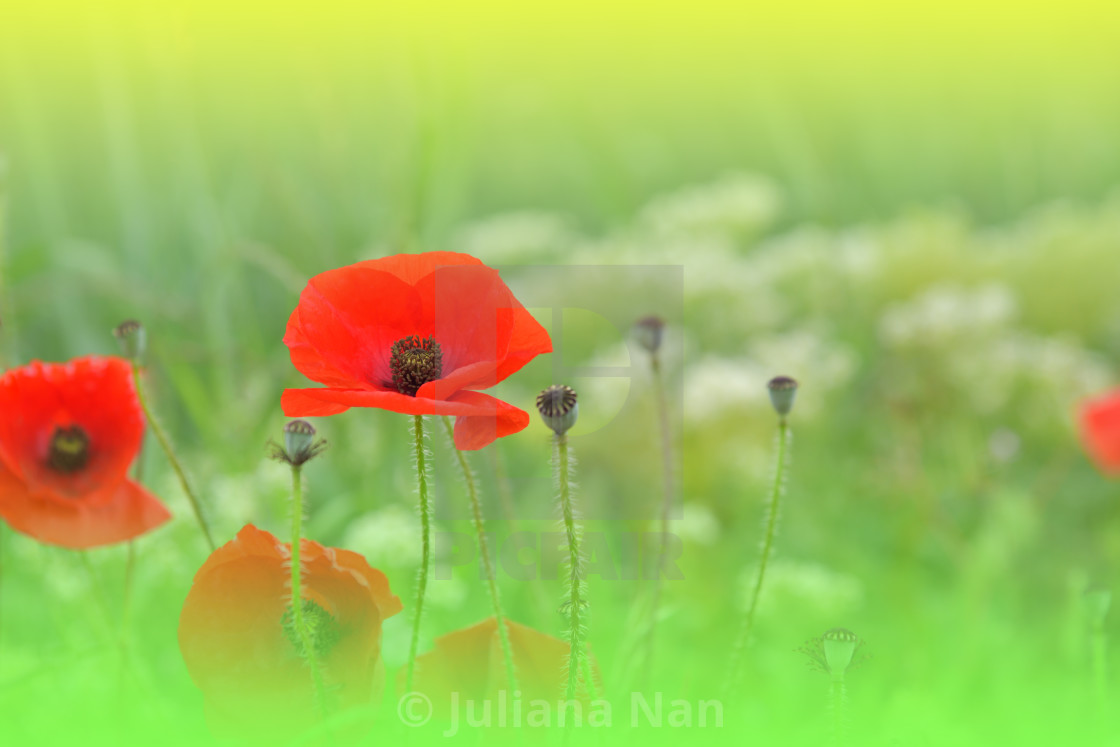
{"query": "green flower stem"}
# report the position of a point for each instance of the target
(165, 444)
(297, 593)
(666, 507)
(574, 602)
(484, 552)
(838, 698)
(738, 652)
(589, 678)
(425, 543)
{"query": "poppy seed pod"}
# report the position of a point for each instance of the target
(298, 435)
(300, 445)
(558, 408)
(839, 645)
(133, 339)
(782, 391)
(649, 331)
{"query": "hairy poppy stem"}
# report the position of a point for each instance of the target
(297, 592)
(574, 602)
(425, 546)
(666, 507)
(839, 699)
(484, 552)
(738, 652)
(176, 465)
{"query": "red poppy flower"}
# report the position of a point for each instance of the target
(418, 334)
(1100, 430)
(237, 639)
(68, 433)
(469, 663)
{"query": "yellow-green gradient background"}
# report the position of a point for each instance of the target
(191, 164)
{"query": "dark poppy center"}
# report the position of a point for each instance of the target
(415, 362)
(69, 449)
(322, 629)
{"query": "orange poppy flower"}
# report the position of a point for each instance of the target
(469, 663)
(68, 433)
(237, 639)
(1100, 431)
(418, 334)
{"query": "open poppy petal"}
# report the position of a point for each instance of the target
(354, 328)
(95, 394)
(309, 361)
(127, 511)
(352, 316)
(411, 268)
(68, 435)
(499, 419)
(308, 402)
(528, 339)
(480, 417)
(471, 312)
(1100, 431)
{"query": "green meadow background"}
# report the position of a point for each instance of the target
(913, 208)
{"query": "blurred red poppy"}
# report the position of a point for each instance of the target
(236, 637)
(68, 433)
(417, 334)
(1100, 430)
(469, 664)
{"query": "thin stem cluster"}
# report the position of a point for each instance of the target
(574, 602)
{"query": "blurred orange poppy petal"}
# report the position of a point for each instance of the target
(1100, 430)
(232, 639)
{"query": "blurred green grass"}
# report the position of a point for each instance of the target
(931, 247)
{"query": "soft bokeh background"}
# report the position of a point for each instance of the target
(913, 208)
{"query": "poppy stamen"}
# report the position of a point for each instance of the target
(415, 362)
(69, 450)
(323, 628)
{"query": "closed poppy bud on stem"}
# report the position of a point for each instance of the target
(783, 389)
(300, 445)
(558, 408)
(649, 331)
(133, 339)
(839, 645)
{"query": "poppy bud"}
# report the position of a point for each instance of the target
(300, 445)
(558, 408)
(839, 645)
(133, 339)
(648, 331)
(782, 391)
